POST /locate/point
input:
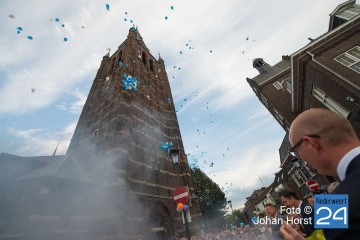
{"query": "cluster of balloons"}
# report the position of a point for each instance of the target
(130, 83)
(181, 207)
(167, 146)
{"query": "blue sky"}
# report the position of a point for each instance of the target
(44, 82)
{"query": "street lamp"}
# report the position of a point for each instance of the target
(230, 204)
(174, 153)
(232, 211)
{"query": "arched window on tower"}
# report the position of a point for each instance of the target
(120, 60)
(120, 56)
(144, 58)
(113, 62)
(151, 65)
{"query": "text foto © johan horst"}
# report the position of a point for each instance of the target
(279, 221)
(288, 219)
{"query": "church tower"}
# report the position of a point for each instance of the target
(122, 142)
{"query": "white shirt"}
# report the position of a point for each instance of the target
(345, 161)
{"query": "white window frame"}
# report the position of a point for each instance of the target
(355, 66)
(264, 100)
(278, 85)
(278, 116)
(329, 102)
(287, 83)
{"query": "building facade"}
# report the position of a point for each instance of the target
(323, 74)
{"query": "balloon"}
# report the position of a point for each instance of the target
(11, 16)
(172, 7)
(65, 39)
(30, 37)
(180, 206)
(20, 28)
(125, 19)
(62, 25)
(56, 19)
(107, 7)
(18, 32)
(166, 18)
(186, 208)
(33, 90)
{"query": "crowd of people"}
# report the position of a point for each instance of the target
(247, 232)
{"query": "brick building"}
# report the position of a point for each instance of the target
(117, 178)
(326, 74)
(119, 135)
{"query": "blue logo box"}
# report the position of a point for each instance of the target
(331, 210)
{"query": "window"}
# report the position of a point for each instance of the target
(144, 60)
(350, 59)
(278, 85)
(350, 13)
(329, 102)
(151, 65)
(264, 100)
(288, 85)
(278, 116)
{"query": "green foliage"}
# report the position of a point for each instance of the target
(212, 198)
(235, 218)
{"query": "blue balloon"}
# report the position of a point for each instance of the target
(166, 18)
(65, 39)
(125, 19)
(30, 37)
(62, 25)
(56, 19)
(20, 28)
(172, 7)
(18, 32)
(107, 7)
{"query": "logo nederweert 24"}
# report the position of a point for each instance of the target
(331, 211)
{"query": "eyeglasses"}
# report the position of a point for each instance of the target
(292, 150)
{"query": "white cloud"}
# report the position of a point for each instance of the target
(40, 142)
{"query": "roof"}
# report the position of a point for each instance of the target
(276, 69)
(13, 167)
(64, 167)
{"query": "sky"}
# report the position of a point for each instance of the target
(48, 65)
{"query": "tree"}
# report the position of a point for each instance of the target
(211, 197)
(235, 218)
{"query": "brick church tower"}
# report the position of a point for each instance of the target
(118, 144)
